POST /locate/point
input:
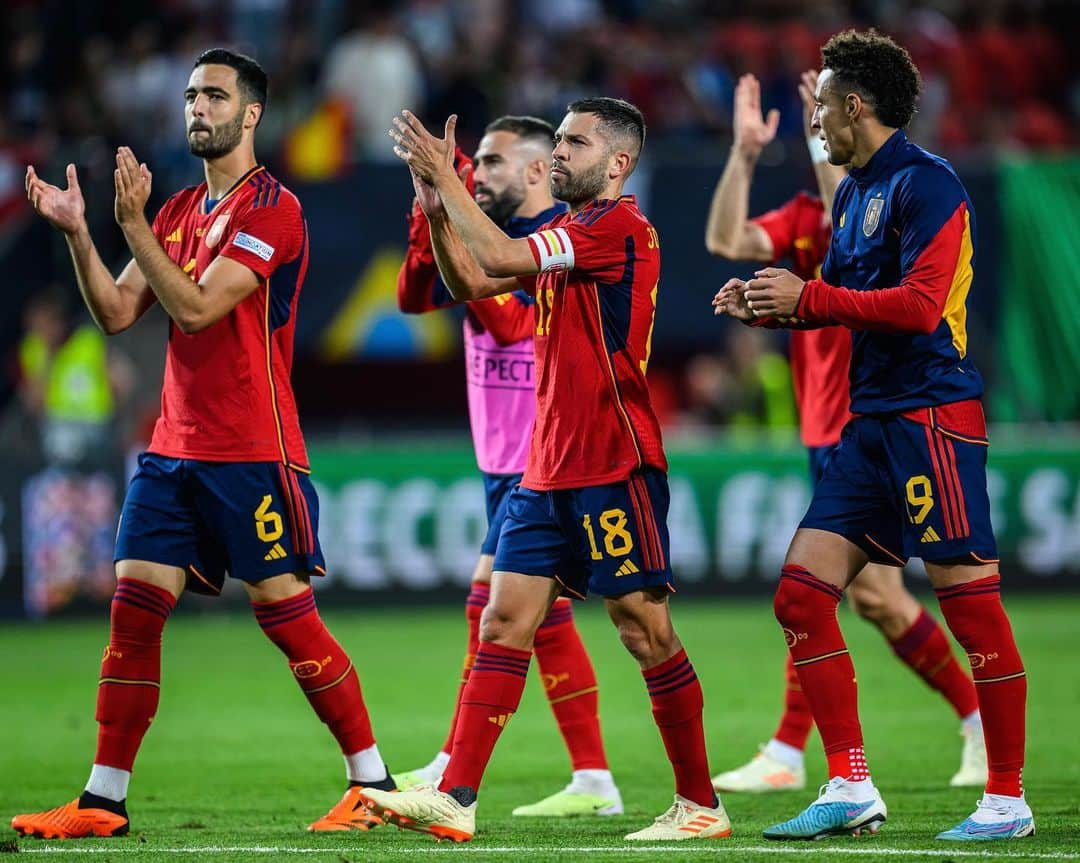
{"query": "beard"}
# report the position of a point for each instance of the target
(580, 187)
(501, 207)
(221, 141)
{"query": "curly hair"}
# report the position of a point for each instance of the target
(879, 70)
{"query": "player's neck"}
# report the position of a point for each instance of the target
(611, 192)
(222, 173)
(867, 144)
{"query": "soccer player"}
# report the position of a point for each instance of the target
(590, 512)
(224, 484)
(909, 476)
(511, 171)
(820, 358)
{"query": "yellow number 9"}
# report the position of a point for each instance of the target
(920, 494)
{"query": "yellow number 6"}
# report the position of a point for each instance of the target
(268, 524)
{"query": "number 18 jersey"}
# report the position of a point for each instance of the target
(595, 308)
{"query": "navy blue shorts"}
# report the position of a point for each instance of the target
(899, 489)
(497, 491)
(253, 520)
(607, 539)
(819, 460)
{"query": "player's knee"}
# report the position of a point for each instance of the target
(501, 625)
(796, 600)
(648, 645)
(868, 603)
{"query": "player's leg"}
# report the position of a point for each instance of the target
(878, 595)
(850, 517)
(940, 473)
(531, 541)
(448, 811)
(780, 763)
(156, 525)
(643, 621)
(569, 681)
(285, 608)
(265, 518)
(497, 491)
(479, 593)
(970, 599)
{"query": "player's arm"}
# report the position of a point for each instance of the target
(114, 304)
(729, 231)
(419, 287)
(461, 272)
(431, 159)
(509, 318)
(193, 306)
(935, 257)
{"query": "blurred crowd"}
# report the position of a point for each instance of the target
(80, 78)
(997, 73)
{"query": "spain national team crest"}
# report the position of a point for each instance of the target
(872, 216)
(213, 236)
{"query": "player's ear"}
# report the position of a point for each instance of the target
(536, 171)
(254, 114)
(621, 162)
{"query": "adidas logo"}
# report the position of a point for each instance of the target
(275, 553)
(627, 568)
(930, 535)
(174, 237)
(500, 720)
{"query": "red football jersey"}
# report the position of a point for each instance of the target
(820, 359)
(227, 394)
(595, 306)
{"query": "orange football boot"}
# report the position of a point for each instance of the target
(349, 813)
(70, 822)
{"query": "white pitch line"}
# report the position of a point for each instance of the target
(680, 848)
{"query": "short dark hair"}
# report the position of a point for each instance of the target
(250, 76)
(879, 70)
(530, 128)
(618, 118)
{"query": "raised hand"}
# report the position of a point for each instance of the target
(62, 208)
(731, 300)
(807, 88)
(426, 155)
(133, 182)
(753, 131)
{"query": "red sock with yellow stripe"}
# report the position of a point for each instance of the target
(491, 697)
(925, 649)
(322, 668)
(978, 621)
(570, 685)
(130, 682)
(805, 607)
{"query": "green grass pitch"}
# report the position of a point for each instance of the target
(235, 764)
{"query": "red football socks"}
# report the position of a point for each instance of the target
(130, 682)
(321, 667)
(570, 685)
(474, 607)
(977, 618)
(490, 698)
(677, 705)
(797, 720)
(806, 609)
(925, 649)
